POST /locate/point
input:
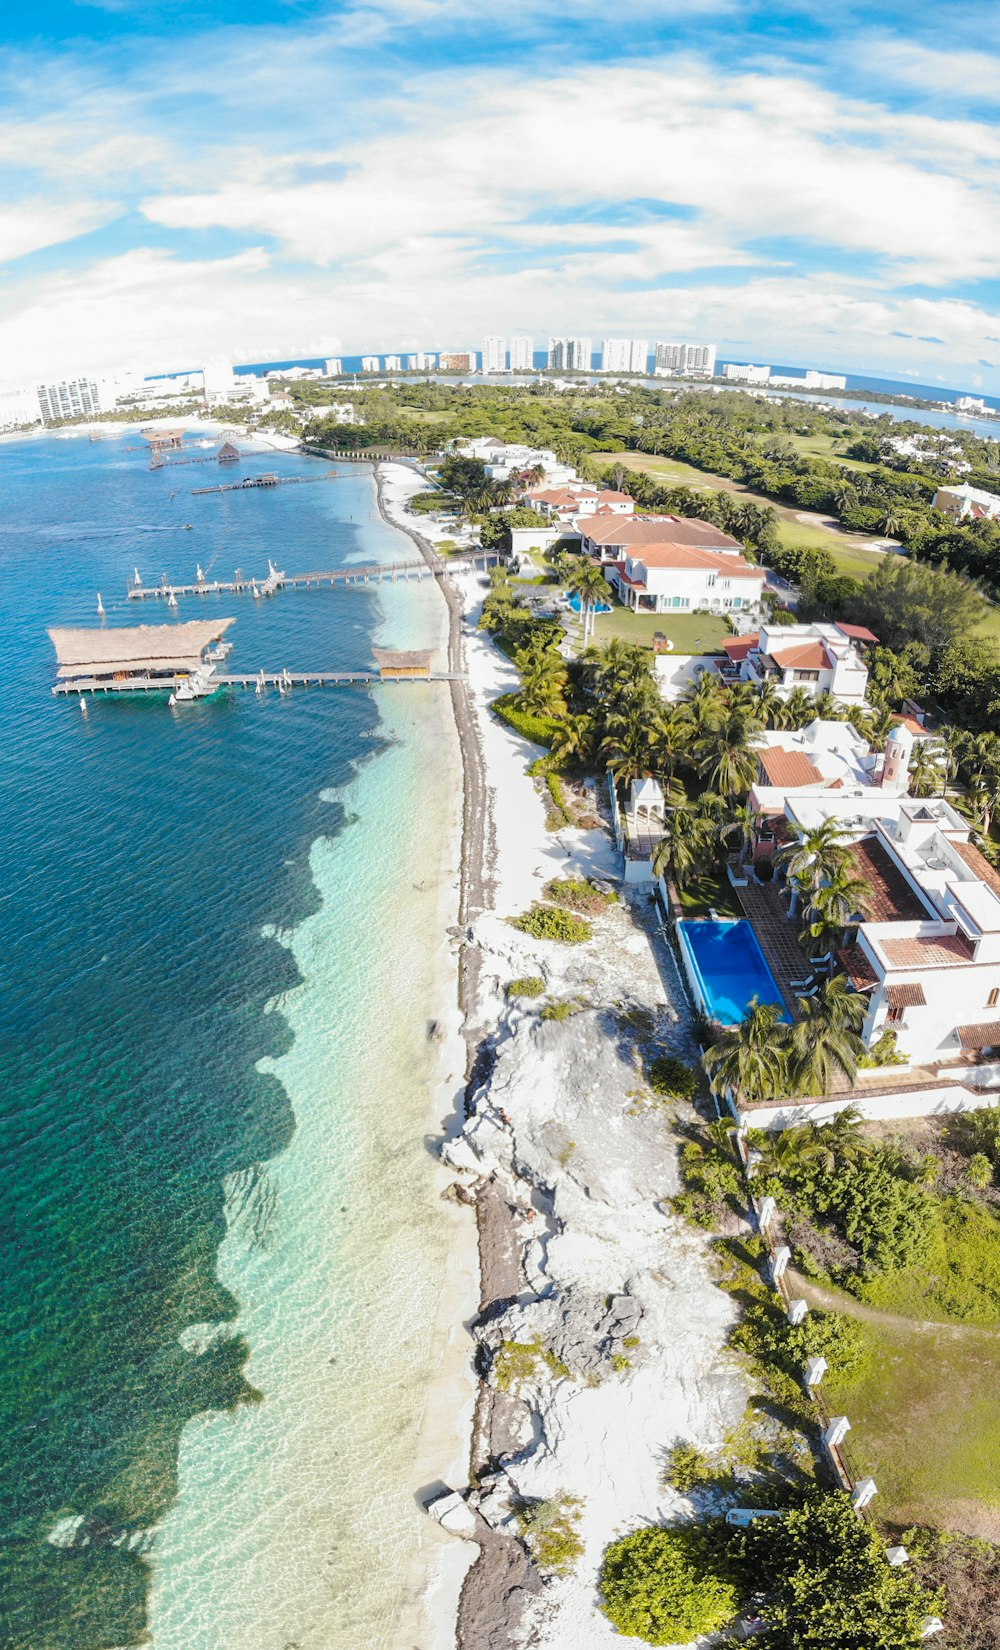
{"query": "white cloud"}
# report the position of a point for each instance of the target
(30, 225)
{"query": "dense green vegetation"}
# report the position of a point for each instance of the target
(819, 1578)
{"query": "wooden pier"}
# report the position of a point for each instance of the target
(270, 478)
(283, 680)
(370, 573)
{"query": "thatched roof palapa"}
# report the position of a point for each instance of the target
(135, 648)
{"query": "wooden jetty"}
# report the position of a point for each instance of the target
(280, 679)
(270, 478)
(370, 573)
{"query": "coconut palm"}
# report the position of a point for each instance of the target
(704, 699)
(543, 679)
(685, 847)
(827, 707)
(826, 1037)
(618, 668)
(879, 729)
(926, 767)
(766, 702)
(743, 827)
(814, 857)
(750, 1061)
(626, 745)
(574, 738)
(727, 752)
(800, 709)
(588, 582)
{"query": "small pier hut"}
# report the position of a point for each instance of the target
(228, 453)
(161, 441)
(148, 654)
(394, 665)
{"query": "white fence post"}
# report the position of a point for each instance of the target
(837, 1431)
(779, 1264)
(864, 1492)
(814, 1371)
(797, 1310)
(766, 1213)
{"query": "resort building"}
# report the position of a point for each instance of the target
(393, 363)
(522, 353)
(570, 355)
(738, 374)
(457, 361)
(686, 360)
(566, 502)
(507, 459)
(625, 355)
(333, 367)
(494, 355)
(676, 575)
(370, 363)
(967, 502)
(72, 398)
(610, 540)
(421, 362)
(826, 658)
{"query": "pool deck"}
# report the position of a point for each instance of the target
(762, 905)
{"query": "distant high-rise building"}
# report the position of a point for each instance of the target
(738, 374)
(690, 359)
(522, 353)
(494, 355)
(570, 354)
(71, 398)
(370, 363)
(333, 368)
(393, 363)
(457, 361)
(825, 381)
(421, 362)
(624, 355)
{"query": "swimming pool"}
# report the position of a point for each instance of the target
(726, 968)
(576, 604)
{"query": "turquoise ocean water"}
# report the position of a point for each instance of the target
(220, 929)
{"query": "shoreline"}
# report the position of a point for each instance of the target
(572, 1166)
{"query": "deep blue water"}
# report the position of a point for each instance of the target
(143, 850)
(731, 966)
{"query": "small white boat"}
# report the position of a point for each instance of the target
(196, 686)
(100, 605)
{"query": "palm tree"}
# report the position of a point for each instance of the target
(926, 767)
(813, 858)
(750, 1060)
(879, 729)
(625, 746)
(766, 702)
(543, 679)
(743, 825)
(574, 738)
(800, 709)
(727, 752)
(827, 707)
(589, 583)
(685, 846)
(826, 1037)
(704, 699)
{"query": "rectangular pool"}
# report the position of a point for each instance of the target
(727, 967)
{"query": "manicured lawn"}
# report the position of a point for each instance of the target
(825, 447)
(925, 1424)
(703, 895)
(689, 632)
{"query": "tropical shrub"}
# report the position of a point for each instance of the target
(686, 1468)
(551, 922)
(540, 730)
(578, 895)
(670, 1076)
(528, 985)
(549, 1529)
(667, 1586)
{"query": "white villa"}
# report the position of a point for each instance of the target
(563, 504)
(611, 539)
(966, 501)
(825, 658)
(504, 459)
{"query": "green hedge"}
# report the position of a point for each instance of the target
(541, 730)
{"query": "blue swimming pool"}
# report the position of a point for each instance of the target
(727, 968)
(599, 607)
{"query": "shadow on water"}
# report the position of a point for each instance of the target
(144, 854)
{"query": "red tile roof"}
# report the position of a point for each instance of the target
(908, 994)
(639, 530)
(927, 950)
(788, 769)
(891, 898)
(858, 967)
(739, 646)
(667, 553)
(857, 632)
(976, 860)
(984, 1035)
(807, 656)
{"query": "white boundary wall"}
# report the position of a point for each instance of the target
(931, 1102)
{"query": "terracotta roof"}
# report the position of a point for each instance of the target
(926, 950)
(976, 860)
(637, 530)
(808, 656)
(688, 556)
(857, 632)
(788, 769)
(984, 1035)
(891, 898)
(739, 646)
(905, 995)
(914, 726)
(612, 497)
(858, 967)
(563, 495)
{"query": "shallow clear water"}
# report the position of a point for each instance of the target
(216, 1077)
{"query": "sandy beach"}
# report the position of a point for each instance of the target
(571, 1180)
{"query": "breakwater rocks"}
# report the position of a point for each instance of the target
(601, 1337)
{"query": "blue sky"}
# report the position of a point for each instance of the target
(799, 183)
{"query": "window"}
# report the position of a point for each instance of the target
(993, 998)
(710, 579)
(894, 1016)
(805, 675)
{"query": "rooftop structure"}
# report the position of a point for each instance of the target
(827, 658)
(159, 440)
(609, 539)
(966, 501)
(136, 650)
(565, 502)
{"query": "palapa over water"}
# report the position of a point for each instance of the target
(142, 649)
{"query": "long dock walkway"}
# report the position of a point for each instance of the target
(281, 679)
(371, 573)
(269, 479)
